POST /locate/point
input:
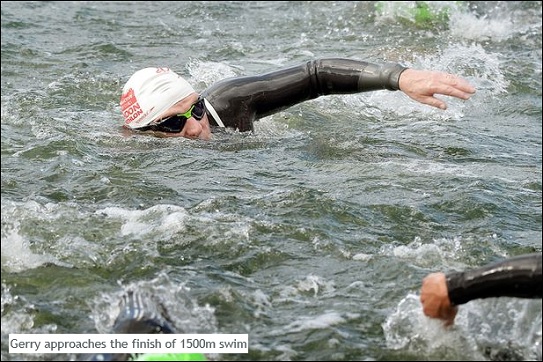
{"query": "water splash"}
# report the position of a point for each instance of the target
(161, 295)
(493, 329)
(17, 254)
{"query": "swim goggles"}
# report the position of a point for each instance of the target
(175, 123)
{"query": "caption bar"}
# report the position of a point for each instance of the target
(128, 343)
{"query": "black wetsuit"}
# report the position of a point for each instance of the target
(514, 277)
(240, 101)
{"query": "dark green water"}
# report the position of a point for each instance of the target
(313, 234)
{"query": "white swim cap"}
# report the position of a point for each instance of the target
(150, 92)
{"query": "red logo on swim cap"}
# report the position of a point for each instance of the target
(130, 106)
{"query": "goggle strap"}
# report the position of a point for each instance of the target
(214, 114)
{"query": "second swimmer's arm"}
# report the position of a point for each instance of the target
(515, 277)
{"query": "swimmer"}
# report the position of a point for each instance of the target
(159, 101)
(138, 316)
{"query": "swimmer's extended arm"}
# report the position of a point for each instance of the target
(242, 100)
(515, 277)
(245, 99)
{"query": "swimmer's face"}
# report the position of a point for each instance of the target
(187, 118)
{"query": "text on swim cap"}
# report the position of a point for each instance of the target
(130, 106)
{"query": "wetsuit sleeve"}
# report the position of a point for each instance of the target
(241, 100)
(515, 277)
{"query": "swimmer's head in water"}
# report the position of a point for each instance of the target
(142, 315)
(150, 92)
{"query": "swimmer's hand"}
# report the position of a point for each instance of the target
(423, 85)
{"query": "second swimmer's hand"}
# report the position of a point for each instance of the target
(434, 297)
(422, 85)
